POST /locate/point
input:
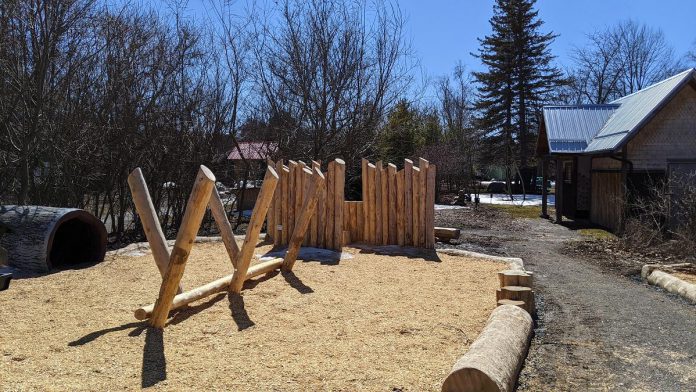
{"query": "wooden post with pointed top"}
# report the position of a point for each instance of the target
(195, 209)
(339, 186)
(408, 202)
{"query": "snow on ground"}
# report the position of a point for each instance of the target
(529, 200)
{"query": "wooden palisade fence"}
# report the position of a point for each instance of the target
(397, 206)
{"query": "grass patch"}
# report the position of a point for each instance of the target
(597, 234)
(519, 211)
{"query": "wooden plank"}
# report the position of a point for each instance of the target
(430, 207)
(195, 209)
(257, 216)
(339, 187)
(400, 213)
(423, 165)
(408, 202)
(329, 228)
(378, 202)
(315, 181)
(150, 222)
(223, 224)
(278, 207)
(285, 204)
(371, 217)
(415, 204)
(391, 188)
(365, 198)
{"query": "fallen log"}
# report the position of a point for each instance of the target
(495, 358)
(673, 284)
(216, 286)
(446, 233)
(39, 238)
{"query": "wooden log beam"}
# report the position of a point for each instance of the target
(148, 218)
(195, 209)
(494, 360)
(305, 219)
(223, 224)
(255, 223)
(211, 288)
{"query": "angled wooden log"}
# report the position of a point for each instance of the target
(195, 209)
(255, 223)
(217, 208)
(148, 218)
(310, 203)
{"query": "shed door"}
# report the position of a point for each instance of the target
(569, 189)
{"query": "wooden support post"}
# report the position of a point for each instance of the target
(330, 222)
(391, 181)
(400, 215)
(285, 202)
(314, 225)
(430, 207)
(378, 203)
(299, 188)
(321, 216)
(424, 166)
(384, 218)
(365, 198)
(371, 218)
(415, 204)
(339, 187)
(148, 218)
(223, 224)
(310, 203)
(255, 223)
(195, 209)
(278, 207)
(408, 202)
(307, 178)
(270, 223)
(292, 194)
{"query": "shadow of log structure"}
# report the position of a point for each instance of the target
(138, 328)
(296, 283)
(185, 313)
(154, 367)
(239, 313)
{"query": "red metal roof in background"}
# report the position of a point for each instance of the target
(255, 151)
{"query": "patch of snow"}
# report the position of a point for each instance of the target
(529, 200)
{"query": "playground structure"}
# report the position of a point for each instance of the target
(397, 207)
(307, 208)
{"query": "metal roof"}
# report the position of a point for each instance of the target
(254, 151)
(571, 128)
(600, 128)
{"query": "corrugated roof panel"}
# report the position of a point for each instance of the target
(634, 109)
(570, 128)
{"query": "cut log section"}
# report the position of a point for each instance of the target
(515, 278)
(495, 358)
(517, 293)
(520, 304)
(39, 238)
(447, 233)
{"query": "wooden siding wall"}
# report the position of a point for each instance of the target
(607, 200)
(397, 208)
(671, 134)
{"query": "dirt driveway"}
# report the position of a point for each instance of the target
(599, 329)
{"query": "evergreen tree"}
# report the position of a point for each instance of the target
(518, 78)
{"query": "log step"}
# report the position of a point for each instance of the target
(446, 233)
(517, 293)
(515, 278)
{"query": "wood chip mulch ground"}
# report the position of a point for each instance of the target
(371, 323)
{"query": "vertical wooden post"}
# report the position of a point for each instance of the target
(339, 186)
(408, 202)
(371, 218)
(391, 176)
(321, 215)
(223, 224)
(278, 206)
(365, 198)
(384, 218)
(378, 202)
(415, 204)
(257, 216)
(423, 165)
(430, 207)
(148, 218)
(299, 187)
(270, 223)
(292, 194)
(314, 225)
(330, 200)
(195, 209)
(400, 213)
(285, 202)
(316, 182)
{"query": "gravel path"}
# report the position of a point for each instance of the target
(598, 330)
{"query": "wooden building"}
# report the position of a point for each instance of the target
(601, 152)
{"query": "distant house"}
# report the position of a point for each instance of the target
(256, 154)
(603, 151)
